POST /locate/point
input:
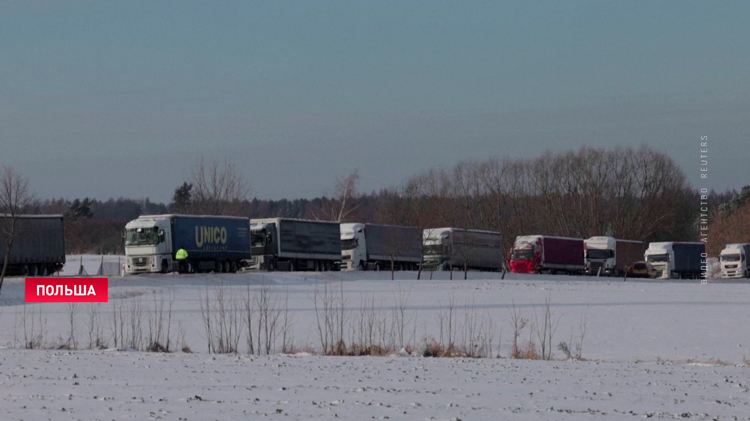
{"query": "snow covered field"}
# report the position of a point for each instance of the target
(664, 349)
(103, 385)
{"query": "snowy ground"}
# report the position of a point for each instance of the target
(102, 385)
(664, 349)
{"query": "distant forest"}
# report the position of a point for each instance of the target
(633, 194)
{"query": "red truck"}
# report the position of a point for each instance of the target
(545, 254)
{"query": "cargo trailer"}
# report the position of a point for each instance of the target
(457, 248)
(38, 247)
(213, 243)
(377, 247)
(610, 256)
(547, 254)
(295, 244)
(677, 260)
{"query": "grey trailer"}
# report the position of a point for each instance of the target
(294, 244)
(461, 248)
(376, 246)
(38, 245)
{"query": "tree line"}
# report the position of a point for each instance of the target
(628, 193)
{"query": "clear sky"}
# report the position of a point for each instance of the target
(119, 98)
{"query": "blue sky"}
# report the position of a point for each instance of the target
(108, 99)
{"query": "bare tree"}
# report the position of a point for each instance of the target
(14, 198)
(344, 201)
(218, 188)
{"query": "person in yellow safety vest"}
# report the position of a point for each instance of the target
(181, 256)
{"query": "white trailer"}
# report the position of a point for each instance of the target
(734, 261)
(376, 247)
(446, 248)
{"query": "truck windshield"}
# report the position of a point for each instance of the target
(657, 258)
(142, 237)
(522, 255)
(258, 239)
(598, 254)
(730, 257)
(349, 244)
(433, 250)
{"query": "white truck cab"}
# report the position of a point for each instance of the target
(148, 245)
(661, 257)
(353, 246)
(600, 255)
(734, 261)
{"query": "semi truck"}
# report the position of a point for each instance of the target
(376, 247)
(446, 248)
(546, 254)
(734, 261)
(677, 260)
(38, 247)
(611, 256)
(295, 244)
(213, 243)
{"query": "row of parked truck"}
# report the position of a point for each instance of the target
(228, 244)
(606, 256)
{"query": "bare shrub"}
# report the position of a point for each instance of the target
(330, 316)
(222, 320)
(432, 348)
(287, 338)
(159, 323)
(399, 318)
(447, 324)
(518, 323)
(369, 330)
(545, 329)
(127, 324)
(72, 342)
(33, 326)
(181, 342)
(95, 328)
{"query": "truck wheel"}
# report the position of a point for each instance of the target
(291, 266)
(164, 266)
(33, 270)
(43, 270)
(361, 265)
(376, 267)
(271, 266)
(190, 267)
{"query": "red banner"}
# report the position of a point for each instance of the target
(67, 290)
